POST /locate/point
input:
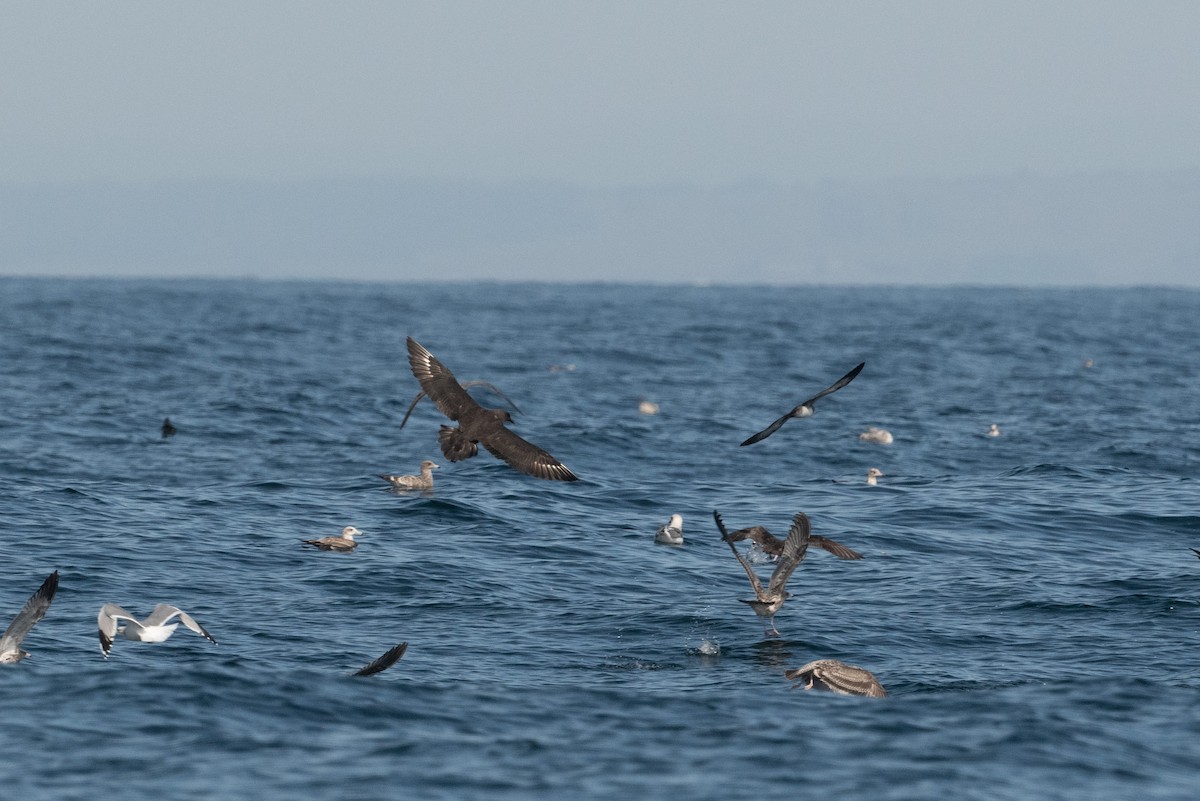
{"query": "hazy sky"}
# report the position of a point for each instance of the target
(598, 93)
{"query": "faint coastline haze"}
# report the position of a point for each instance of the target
(986, 143)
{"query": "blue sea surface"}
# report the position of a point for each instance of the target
(1029, 600)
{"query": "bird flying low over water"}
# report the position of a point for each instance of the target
(154, 628)
(465, 385)
(805, 409)
(343, 542)
(837, 677)
(768, 601)
(33, 611)
(771, 545)
(423, 481)
(477, 425)
(384, 662)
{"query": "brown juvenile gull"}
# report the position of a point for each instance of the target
(33, 611)
(384, 662)
(838, 677)
(671, 532)
(767, 602)
(345, 542)
(872, 474)
(465, 385)
(155, 628)
(772, 546)
(423, 481)
(477, 425)
(805, 409)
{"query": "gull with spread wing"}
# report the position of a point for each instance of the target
(805, 409)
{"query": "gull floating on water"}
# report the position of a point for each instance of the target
(880, 436)
(384, 662)
(994, 430)
(477, 425)
(672, 532)
(647, 407)
(154, 628)
(872, 474)
(768, 601)
(345, 542)
(168, 430)
(423, 481)
(838, 677)
(33, 611)
(805, 409)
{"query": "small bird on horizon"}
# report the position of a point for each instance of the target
(805, 409)
(33, 611)
(477, 425)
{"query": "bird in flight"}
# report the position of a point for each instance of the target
(805, 409)
(33, 611)
(477, 425)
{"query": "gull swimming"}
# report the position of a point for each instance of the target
(465, 385)
(423, 481)
(837, 677)
(880, 436)
(805, 409)
(672, 532)
(873, 473)
(384, 662)
(155, 628)
(33, 611)
(344, 542)
(477, 425)
(647, 407)
(994, 430)
(767, 602)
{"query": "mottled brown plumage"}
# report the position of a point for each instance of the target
(837, 677)
(477, 425)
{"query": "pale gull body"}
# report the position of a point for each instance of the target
(155, 628)
(672, 532)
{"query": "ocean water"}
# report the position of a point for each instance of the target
(1029, 601)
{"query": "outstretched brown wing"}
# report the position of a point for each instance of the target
(754, 582)
(794, 549)
(439, 383)
(525, 456)
(835, 548)
(384, 662)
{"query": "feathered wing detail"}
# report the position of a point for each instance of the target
(465, 385)
(754, 582)
(526, 457)
(794, 549)
(33, 611)
(835, 548)
(164, 612)
(106, 621)
(769, 430)
(438, 382)
(841, 382)
(455, 445)
(384, 662)
(838, 677)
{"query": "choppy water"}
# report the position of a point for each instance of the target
(1029, 601)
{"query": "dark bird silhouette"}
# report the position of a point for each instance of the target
(477, 425)
(1197, 552)
(465, 385)
(33, 611)
(384, 662)
(768, 601)
(837, 677)
(168, 430)
(805, 409)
